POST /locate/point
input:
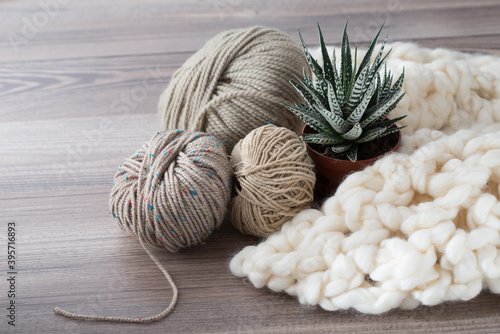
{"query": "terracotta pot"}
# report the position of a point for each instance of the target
(331, 172)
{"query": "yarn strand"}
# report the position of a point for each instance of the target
(172, 193)
(157, 317)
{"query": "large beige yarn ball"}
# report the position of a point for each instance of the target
(275, 180)
(234, 84)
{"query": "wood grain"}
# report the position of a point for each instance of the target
(79, 94)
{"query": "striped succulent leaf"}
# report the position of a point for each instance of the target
(333, 101)
(378, 92)
(397, 85)
(358, 90)
(392, 130)
(336, 122)
(392, 107)
(341, 148)
(327, 64)
(388, 123)
(322, 139)
(318, 97)
(356, 115)
(321, 86)
(354, 133)
(312, 118)
(352, 153)
(346, 63)
(369, 52)
(385, 84)
(303, 92)
(381, 110)
(313, 64)
(371, 134)
(306, 77)
(379, 60)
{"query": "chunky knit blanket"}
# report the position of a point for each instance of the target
(420, 226)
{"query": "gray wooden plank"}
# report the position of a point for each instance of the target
(71, 80)
(89, 30)
(118, 85)
(72, 255)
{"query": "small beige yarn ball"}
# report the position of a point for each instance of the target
(275, 180)
(237, 82)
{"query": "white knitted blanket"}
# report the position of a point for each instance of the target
(421, 226)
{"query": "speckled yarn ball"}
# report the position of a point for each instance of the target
(237, 82)
(174, 191)
(275, 180)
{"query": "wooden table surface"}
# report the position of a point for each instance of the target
(74, 104)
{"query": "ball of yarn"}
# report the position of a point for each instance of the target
(276, 180)
(234, 84)
(174, 191)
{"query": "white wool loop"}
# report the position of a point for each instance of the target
(421, 226)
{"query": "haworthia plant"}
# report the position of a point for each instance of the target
(347, 106)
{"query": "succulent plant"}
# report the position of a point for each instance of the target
(349, 106)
